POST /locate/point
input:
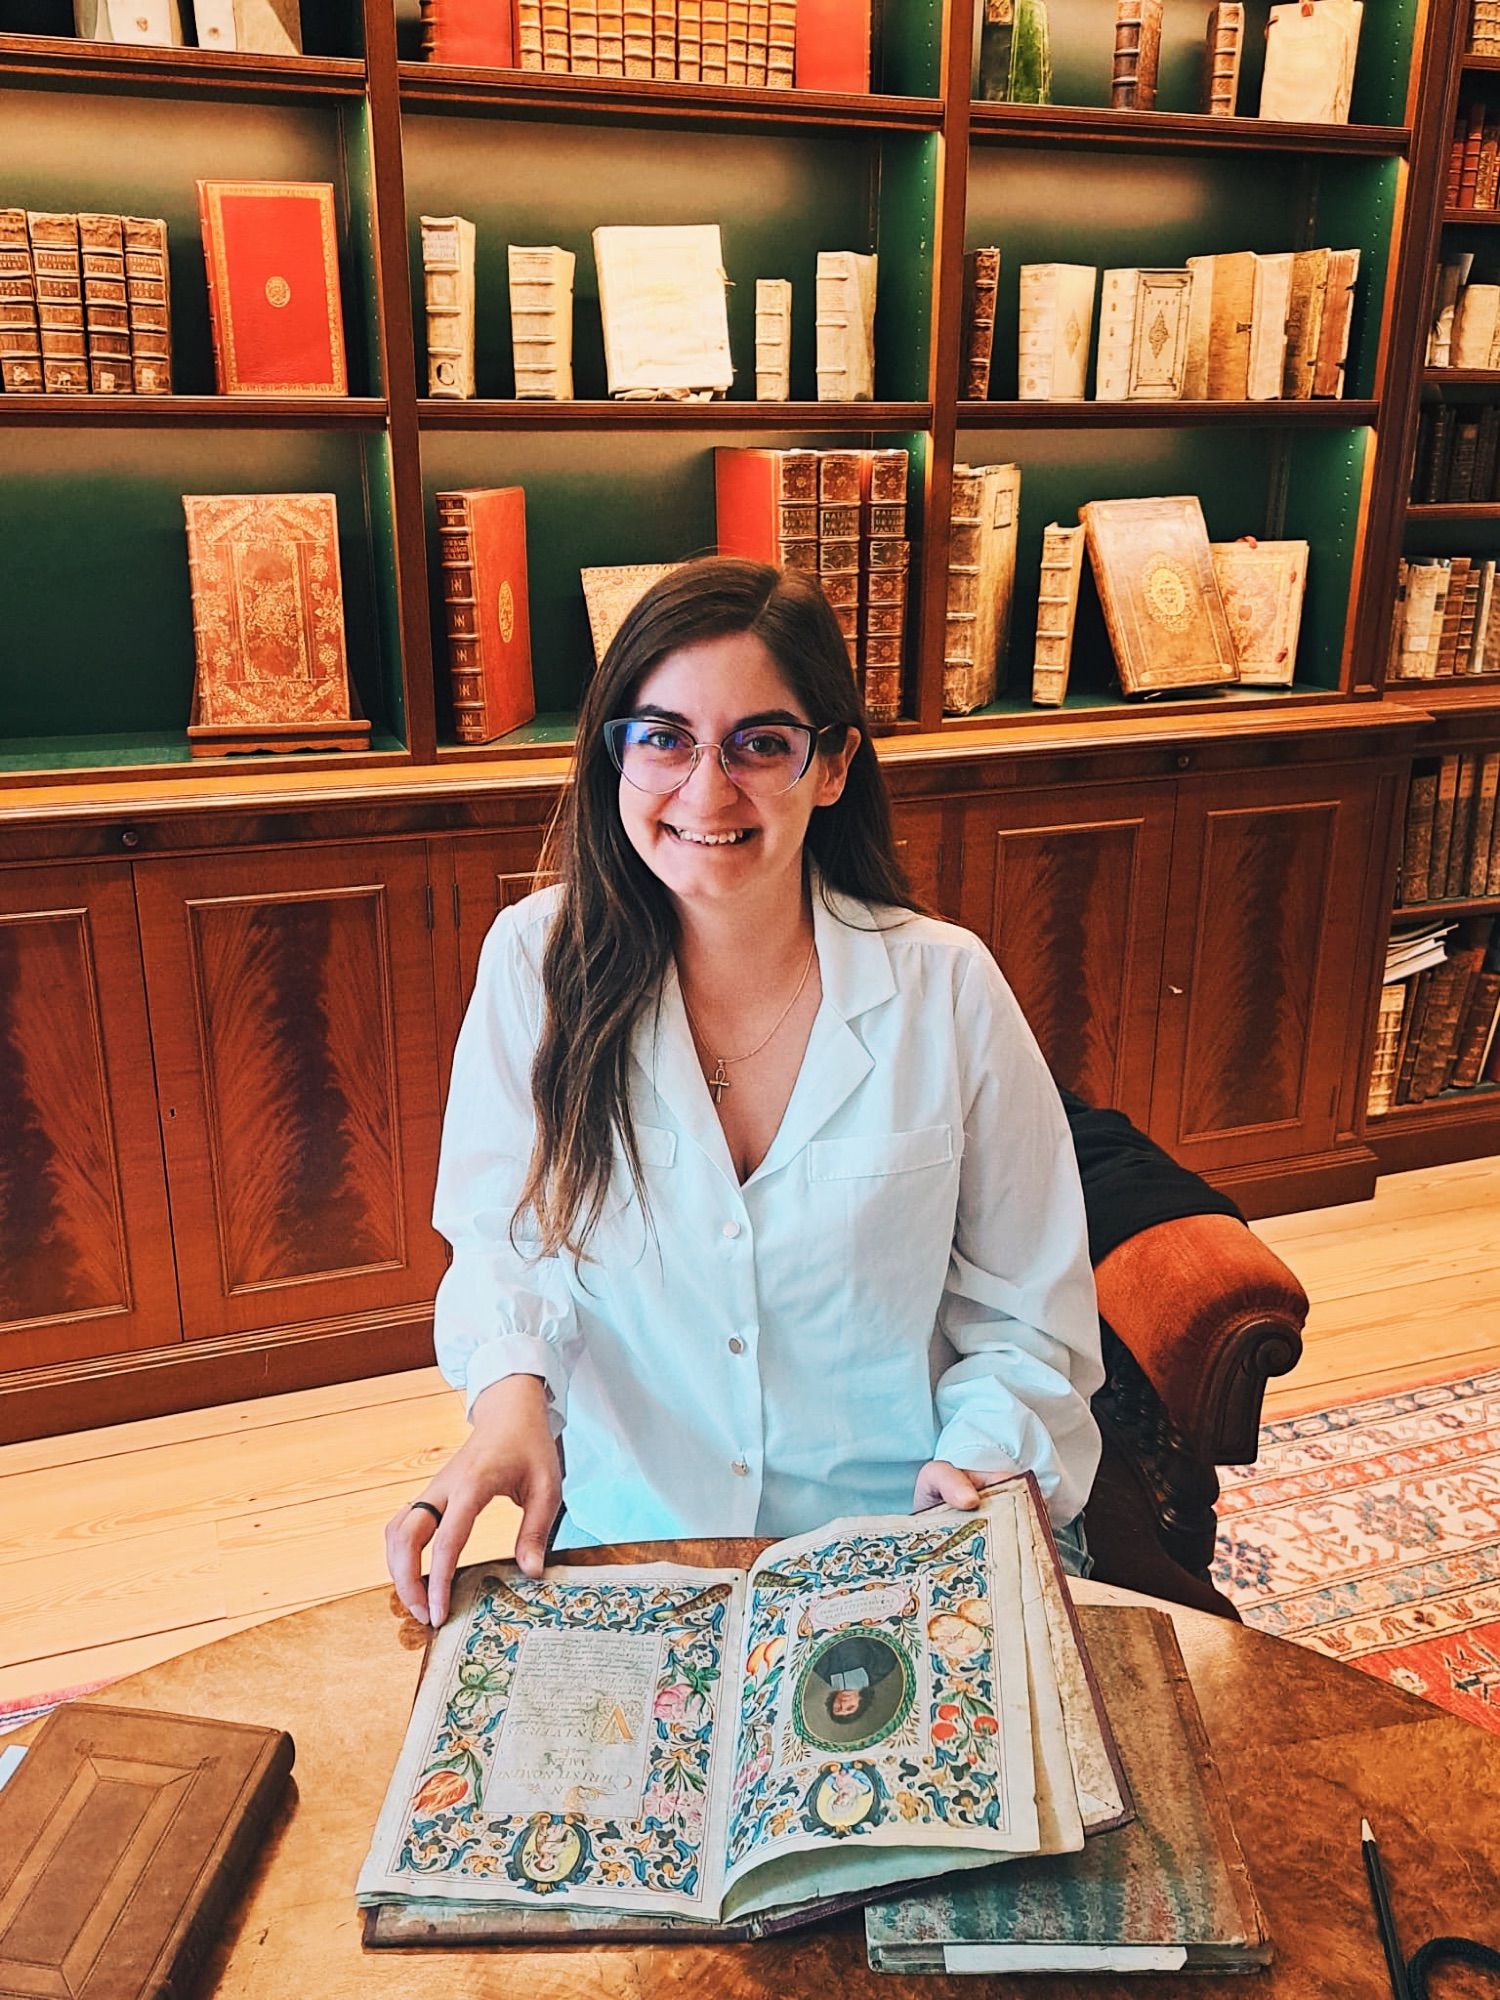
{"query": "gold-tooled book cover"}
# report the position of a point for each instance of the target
(1155, 575)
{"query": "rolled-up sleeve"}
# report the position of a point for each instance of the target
(500, 1310)
(1018, 1309)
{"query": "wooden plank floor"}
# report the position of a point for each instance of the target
(125, 1546)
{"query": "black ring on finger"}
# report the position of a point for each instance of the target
(427, 1508)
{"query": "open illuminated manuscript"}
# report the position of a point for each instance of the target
(632, 1751)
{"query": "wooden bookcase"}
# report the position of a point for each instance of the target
(1185, 893)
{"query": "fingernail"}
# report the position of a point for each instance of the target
(418, 1613)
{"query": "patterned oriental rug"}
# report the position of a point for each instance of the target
(1372, 1532)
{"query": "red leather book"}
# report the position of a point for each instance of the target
(273, 287)
(468, 31)
(766, 506)
(482, 546)
(833, 45)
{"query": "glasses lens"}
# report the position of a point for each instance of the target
(654, 756)
(768, 757)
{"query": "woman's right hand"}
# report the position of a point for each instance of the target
(509, 1452)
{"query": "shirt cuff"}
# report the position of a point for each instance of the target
(518, 1354)
(964, 1445)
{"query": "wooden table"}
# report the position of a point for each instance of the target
(1305, 1747)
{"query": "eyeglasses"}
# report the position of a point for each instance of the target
(762, 758)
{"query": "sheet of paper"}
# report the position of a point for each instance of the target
(1100, 1799)
(565, 1746)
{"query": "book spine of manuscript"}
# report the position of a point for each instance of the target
(845, 301)
(526, 30)
(1056, 319)
(758, 47)
(1231, 323)
(1475, 1030)
(1304, 320)
(556, 54)
(1338, 312)
(583, 37)
(833, 45)
(781, 53)
(961, 620)
(1468, 619)
(1463, 827)
(1458, 570)
(738, 55)
(716, 41)
(773, 340)
(885, 559)
(106, 311)
(448, 299)
(1445, 999)
(1411, 1032)
(20, 335)
(482, 548)
(1387, 1045)
(148, 294)
(841, 479)
(1268, 330)
(1056, 613)
(1137, 54)
(461, 618)
(1416, 846)
(640, 38)
(1117, 327)
(1476, 872)
(981, 288)
(664, 40)
(689, 41)
(474, 32)
(611, 37)
(1223, 48)
(1442, 826)
(541, 320)
(59, 302)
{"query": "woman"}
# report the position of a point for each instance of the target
(761, 1197)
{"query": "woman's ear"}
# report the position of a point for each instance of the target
(833, 768)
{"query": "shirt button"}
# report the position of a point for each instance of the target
(740, 1468)
(730, 1229)
(736, 1345)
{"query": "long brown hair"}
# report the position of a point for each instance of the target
(612, 937)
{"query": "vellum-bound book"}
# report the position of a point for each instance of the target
(982, 542)
(1310, 51)
(1056, 613)
(1475, 320)
(845, 326)
(541, 321)
(773, 340)
(155, 24)
(253, 27)
(1262, 585)
(1155, 575)
(666, 321)
(1143, 334)
(642, 1752)
(448, 295)
(1269, 308)
(611, 593)
(1304, 321)
(1057, 316)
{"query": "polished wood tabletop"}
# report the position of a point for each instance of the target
(1305, 1747)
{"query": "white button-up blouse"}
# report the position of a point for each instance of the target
(905, 1276)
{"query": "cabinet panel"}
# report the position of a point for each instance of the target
(1069, 892)
(474, 878)
(292, 1009)
(85, 1247)
(919, 847)
(1268, 885)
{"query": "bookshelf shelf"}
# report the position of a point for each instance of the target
(486, 414)
(1457, 906)
(1327, 413)
(1457, 513)
(1482, 65)
(518, 93)
(58, 61)
(1458, 218)
(1178, 131)
(323, 413)
(1481, 1101)
(1461, 378)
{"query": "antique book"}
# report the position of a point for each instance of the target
(662, 301)
(147, 23)
(610, 37)
(611, 592)
(541, 320)
(1383, 1062)
(773, 340)
(1412, 1022)
(1137, 55)
(473, 32)
(1222, 320)
(58, 272)
(253, 27)
(1155, 574)
(1476, 874)
(1448, 281)
(758, 47)
(448, 300)
(20, 336)
(1484, 28)
(482, 551)
(833, 45)
(1223, 46)
(1015, 53)
(271, 248)
(664, 40)
(148, 289)
(1056, 319)
(1262, 585)
(268, 625)
(669, 1751)
(1456, 875)
(1304, 321)
(583, 37)
(1310, 51)
(1477, 1025)
(1169, 1892)
(981, 287)
(526, 33)
(125, 1837)
(884, 561)
(1476, 318)
(1416, 850)
(106, 311)
(1269, 307)
(639, 25)
(556, 54)
(1442, 827)
(843, 572)
(1056, 613)
(715, 44)
(1143, 333)
(961, 614)
(845, 326)
(738, 55)
(689, 41)
(766, 506)
(983, 540)
(781, 54)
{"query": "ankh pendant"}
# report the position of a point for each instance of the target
(718, 1083)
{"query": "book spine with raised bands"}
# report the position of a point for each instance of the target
(105, 311)
(1137, 50)
(148, 294)
(59, 303)
(981, 287)
(1222, 50)
(461, 617)
(20, 336)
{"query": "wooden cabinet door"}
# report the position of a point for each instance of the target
(1261, 981)
(474, 877)
(919, 833)
(293, 1022)
(1068, 889)
(85, 1245)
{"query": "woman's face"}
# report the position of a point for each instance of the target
(709, 841)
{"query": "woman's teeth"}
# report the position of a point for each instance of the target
(710, 839)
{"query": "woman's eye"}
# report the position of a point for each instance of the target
(763, 743)
(660, 739)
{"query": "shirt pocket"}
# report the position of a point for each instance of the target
(872, 1155)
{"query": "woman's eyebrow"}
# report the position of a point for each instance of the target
(745, 722)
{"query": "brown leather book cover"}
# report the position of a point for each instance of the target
(124, 1837)
(1154, 568)
(482, 544)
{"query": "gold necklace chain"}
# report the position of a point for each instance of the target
(718, 1083)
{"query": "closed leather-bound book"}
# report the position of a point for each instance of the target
(781, 54)
(541, 320)
(20, 336)
(1230, 296)
(1268, 326)
(1155, 574)
(1387, 1050)
(271, 248)
(1055, 322)
(1338, 315)
(526, 33)
(1442, 827)
(981, 287)
(845, 326)
(1476, 872)
(1457, 873)
(714, 47)
(610, 39)
(1056, 613)
(766, 506)
(1223, 46)
(125, 1837)
(556, 46)
(482, 551)
(473, 32)
(148, 290)
(59, 302)
(1137, 54)
(448, 301)
(773, 339)
(689, 41)
(1416, 848)
(833, 45)
(1304, 321)
(106, 312)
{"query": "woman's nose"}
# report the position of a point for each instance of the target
(709, 782)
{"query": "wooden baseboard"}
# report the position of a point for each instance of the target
(193, 1374)
(1435, 1138)
(1316, 1180)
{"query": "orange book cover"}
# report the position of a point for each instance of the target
(833, 45)
(482, 545)
(765, 505)
(271, 248)
(469, 31)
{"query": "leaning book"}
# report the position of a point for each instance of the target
(635, 1752)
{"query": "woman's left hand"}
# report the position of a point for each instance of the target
(940, 1484)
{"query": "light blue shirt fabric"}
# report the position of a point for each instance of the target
(905, 1276)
